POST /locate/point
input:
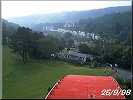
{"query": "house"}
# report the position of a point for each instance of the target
(74, 56)
(69, 24)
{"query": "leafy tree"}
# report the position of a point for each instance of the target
(68, 39)
(47, 46)
(21, 42)
(88, 49)
(8, 29)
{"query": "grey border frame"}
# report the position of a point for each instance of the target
(1, 53)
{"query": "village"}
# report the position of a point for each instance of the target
(73, 54)
(67, 27)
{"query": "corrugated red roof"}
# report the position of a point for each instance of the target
(84, 87)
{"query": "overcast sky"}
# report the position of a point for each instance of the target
(24, 8)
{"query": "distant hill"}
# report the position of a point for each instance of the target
(73, 16)
(8, 28)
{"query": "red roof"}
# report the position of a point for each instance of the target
(83, 87)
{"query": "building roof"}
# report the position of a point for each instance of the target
(78, 54)
(83, 87)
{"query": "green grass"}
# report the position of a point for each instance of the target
(32, 80)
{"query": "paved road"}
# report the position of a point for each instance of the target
(126, 75)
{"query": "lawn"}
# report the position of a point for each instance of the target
(32, 80)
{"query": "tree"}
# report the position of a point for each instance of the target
(47, 46)
(8, 29)
(88, 49)
(68, 39)
(21, 42)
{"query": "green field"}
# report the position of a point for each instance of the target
(32, 80)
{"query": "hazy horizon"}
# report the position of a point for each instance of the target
(24, 8)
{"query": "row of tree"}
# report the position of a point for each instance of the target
(110, 51)
(28, 44)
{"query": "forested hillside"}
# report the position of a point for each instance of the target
(8, 28)
(118, 24)
(115, 31)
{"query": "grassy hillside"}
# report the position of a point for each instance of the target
(33, 79)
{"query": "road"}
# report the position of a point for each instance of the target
(126, 75)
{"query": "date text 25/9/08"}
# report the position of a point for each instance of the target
(109, 92)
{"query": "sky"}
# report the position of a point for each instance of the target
(24, 8)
